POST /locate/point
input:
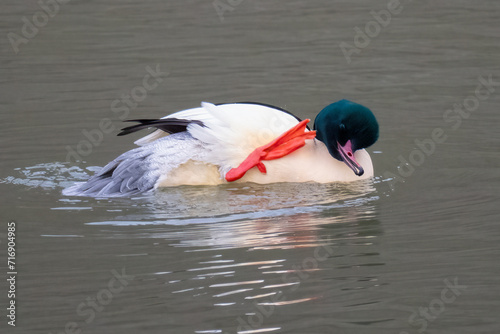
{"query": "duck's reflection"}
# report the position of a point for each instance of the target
(253, 249)
(253, 216)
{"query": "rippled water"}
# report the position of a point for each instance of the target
(414, 250)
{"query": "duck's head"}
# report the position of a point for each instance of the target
(345, 127)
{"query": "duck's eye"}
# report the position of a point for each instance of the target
(342, 130)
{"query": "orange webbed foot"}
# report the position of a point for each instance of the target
(288, 142)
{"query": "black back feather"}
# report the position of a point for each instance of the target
(175, 125)
(169, 125)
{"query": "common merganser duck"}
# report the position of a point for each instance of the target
(240, 142)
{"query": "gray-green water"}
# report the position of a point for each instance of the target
(414, 251)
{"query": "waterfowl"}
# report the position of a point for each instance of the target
(240, 142)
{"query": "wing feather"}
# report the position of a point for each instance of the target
(139, 170)
(221, 135)
(168, 125)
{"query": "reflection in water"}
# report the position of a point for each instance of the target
(250, 250)
(294, 231)
(278, 216)
(261, 288)
(198, 204)
(253, 264)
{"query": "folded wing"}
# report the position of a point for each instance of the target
(221, 135)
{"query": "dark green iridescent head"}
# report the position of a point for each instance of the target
(345, 127)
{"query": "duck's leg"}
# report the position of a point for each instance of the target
(289, 141)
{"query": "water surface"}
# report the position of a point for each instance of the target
(414, 250)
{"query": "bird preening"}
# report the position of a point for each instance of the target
(240, 142)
